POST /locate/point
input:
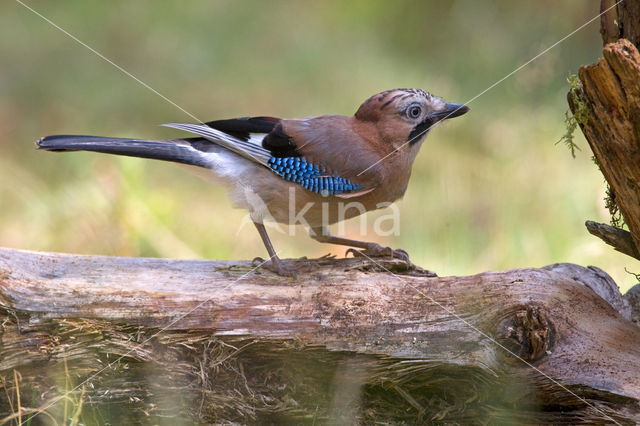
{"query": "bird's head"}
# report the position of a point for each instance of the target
(404, 116)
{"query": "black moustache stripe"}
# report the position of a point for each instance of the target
(417, 132)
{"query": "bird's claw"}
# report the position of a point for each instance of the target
(327, 256)
(380, 251)
(282, 270)
(377, 251)
(257, 261)
(275, 265)
(401, 254)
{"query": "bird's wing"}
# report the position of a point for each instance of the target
(334, 145)
(264, 140)
(240, 135)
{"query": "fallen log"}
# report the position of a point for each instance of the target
(349, 341)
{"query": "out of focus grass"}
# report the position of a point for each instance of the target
(490, 190)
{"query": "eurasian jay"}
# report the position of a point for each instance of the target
(304, 168)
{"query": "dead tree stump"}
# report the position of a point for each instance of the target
(608, 104)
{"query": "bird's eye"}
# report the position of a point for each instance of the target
(414, 112)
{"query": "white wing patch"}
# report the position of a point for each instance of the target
(256, 138)
(248, 150)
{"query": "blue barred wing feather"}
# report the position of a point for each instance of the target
(310, 176)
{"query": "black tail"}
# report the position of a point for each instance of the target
(180, 150)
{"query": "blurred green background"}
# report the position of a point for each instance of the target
(490, 190)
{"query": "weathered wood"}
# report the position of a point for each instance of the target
(617, 238)
(621, 21)
(610, 95)
(345, 342)
(632, 298)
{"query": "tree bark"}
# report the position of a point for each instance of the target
(617, 238)
(611, 93)
(609, 102)
(348, 341)
(621, 21)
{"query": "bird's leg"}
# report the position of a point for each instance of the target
(276, 264)
(369, 249)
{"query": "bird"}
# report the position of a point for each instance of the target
(300, 170)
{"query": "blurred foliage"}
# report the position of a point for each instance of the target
(489, 190)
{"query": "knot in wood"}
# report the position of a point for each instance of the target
(527, 333)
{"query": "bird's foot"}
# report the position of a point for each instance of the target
(327, 256)
(387, 260)
(376, 250)
(276, 266)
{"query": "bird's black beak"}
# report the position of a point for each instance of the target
(451, 110)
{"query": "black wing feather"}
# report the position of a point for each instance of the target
(280, 144)
(276, 141)
(242, 127)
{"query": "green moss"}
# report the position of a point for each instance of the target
(579, 116)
